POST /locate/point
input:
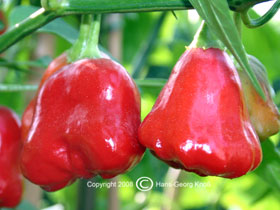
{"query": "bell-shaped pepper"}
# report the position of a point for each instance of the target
(264, 114)
(85, 123)
(199, 122)
(28, 114)
(10, 146)
(84, 118)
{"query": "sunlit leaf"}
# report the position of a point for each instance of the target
(58, 27)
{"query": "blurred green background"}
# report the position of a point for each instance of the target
(148, 45)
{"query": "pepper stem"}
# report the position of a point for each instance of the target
(87, 44)
(205, 39)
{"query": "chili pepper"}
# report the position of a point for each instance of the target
(264, 115)
(199, 122)
(27, 116)
(84, 118)
(10, 145)
(85, 123)
(53, 67)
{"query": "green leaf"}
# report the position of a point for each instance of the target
(20, 13)
(13, 65)
(216, 14)
(269, 169)
(58, 26)
(142, 56)
(42, 62)
(61, 28)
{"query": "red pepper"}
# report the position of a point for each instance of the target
(85, 123)
(28, 114)
(199, 122)
(10, 145)
(54, 66)
(264, 115)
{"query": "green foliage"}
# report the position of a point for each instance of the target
(66, 196)
(264, 43)
(58, 27)
(270, 166)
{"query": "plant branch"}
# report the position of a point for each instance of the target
(54, 9)
(109, 6)
(26, 27)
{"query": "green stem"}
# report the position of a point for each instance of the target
(87, 43)
(109, 6)
(205, 39)
(27, 26)
(67, 7)
(254, 23)
(105, 6)
(238, 22)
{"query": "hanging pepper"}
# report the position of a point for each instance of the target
(53, 67)
(264, 115)
(86, 118)
(10, 145)
(199, 122)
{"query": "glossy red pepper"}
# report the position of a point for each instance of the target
(264, 114)
(10, 145)
(28, 114)
(199, 122)
(85, 123)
